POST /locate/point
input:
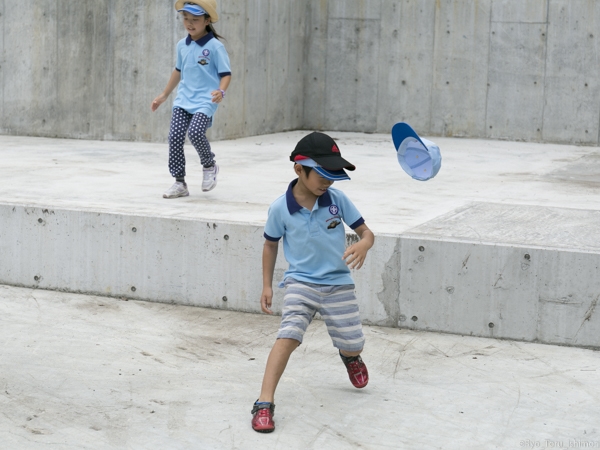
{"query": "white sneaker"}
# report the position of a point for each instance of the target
(209, 180)
(178, 189)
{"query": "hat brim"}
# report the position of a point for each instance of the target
(328, 174)
(210, 9)
(333, 162)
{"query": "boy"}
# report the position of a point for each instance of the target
(309, 218)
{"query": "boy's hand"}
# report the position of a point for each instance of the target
(356, 254)
(265, 300)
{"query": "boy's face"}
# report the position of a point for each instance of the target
(313, 182)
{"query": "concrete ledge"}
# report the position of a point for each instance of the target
(183, 261)
(435, 277)
(483, 270)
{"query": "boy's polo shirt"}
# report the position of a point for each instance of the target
(202, 64)
(314, 241)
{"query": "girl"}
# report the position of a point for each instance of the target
(203, 74)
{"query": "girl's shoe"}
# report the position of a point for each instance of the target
(262, 417)
(178, 189)
(357, 370)
(209, 177)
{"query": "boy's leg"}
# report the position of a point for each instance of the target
(340, 312)
(276, 363)
(348, 354)
(299, 308)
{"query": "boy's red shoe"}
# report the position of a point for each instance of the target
(357, 370)
(262, 419)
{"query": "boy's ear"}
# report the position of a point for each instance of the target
(298, 169)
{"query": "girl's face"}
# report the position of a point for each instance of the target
(195, 25)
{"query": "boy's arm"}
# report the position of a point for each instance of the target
(268, 264)
(355, 254)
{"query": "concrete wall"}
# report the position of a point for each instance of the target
(188, 262)
(501, 69)
(417, 280)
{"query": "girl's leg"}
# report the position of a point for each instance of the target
(179, 126)
(197, 134)
(278, 359)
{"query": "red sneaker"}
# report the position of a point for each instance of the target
(357, 371)
(262, 420)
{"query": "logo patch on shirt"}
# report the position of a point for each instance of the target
(206, 52)
(203, 62)
(333, 209)
(333, 224)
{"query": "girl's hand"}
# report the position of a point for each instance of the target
(217, 96)
(158, 101)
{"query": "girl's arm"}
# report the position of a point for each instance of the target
(217, 95)
(172, 84)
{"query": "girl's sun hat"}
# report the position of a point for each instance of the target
(418, 157)
(210, 6)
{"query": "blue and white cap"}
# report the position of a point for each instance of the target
(420, 158)
(192, 8)
(328, 174)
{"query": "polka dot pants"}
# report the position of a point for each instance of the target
(195, 125)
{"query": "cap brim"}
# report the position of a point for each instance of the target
(334, 162)
(209, 7)
(401, 131)
(193, 9)
(333, 175)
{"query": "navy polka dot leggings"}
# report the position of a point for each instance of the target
(195, 125)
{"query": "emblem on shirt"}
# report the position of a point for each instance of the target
(333, 224)
(203, 62)
(206, 52)
(333, 209)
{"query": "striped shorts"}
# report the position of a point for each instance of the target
(337, 305)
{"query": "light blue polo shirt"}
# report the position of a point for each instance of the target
(202, 64)
(314, 241)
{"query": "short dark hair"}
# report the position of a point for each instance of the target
(306, 170)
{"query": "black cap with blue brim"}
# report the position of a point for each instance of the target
(319, 151)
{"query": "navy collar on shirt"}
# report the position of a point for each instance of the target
(202, 41)
(292, 204)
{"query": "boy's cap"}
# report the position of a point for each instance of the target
(333, 175)
(419, 158)
(199, 8)
(322, 149)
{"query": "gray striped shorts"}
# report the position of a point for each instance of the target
(337, 305)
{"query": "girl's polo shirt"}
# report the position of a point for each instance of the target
(202, 64)
(314, 241)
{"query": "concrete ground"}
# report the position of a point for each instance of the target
(83, 372)
(90, 372)
(131, 177)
